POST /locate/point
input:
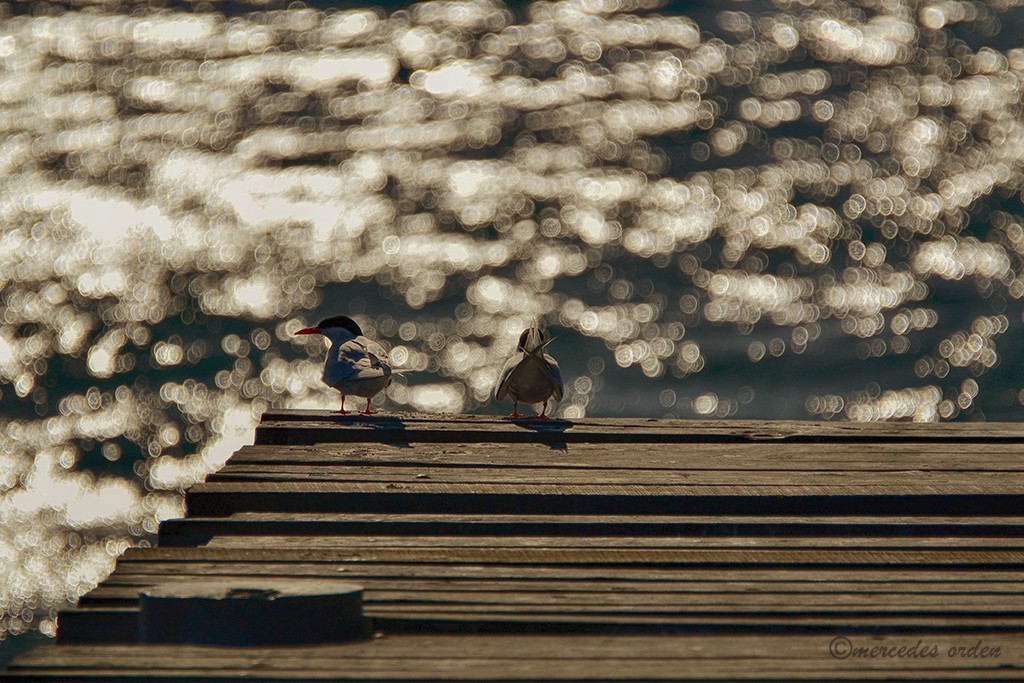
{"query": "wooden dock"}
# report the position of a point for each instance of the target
(599, 549)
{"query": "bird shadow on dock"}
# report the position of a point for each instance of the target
(390, 424)
(546, 426)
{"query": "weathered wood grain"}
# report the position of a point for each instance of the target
(200, 530)
(827, 456)
(124, 590)
(626, 647)
(1001, 481)
(638, 544)
(138, 562)
(416, 657)
(279, 427)
(837, 555)
(572, 597)
(414, 617)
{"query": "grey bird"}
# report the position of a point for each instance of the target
(530, 375)
(355, 365)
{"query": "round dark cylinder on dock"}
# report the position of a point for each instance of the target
(252, 611)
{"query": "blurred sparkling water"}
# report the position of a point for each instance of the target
(801, 209)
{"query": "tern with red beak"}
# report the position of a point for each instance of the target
(355, 365)
(530, 375)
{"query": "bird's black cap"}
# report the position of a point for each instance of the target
(340, 321)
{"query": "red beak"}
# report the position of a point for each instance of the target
(310, 330)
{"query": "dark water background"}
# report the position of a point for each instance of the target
(801, 210)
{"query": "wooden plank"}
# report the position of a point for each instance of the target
(572, 594)
(199, 530)
(92, 621)
(222, 498)
(132, 562)
(997, 486)
(714, 622)
(477, 670)
(638, 544)
(124, 590)
(674, 603)
(502, 670)
(548, 657)
(126, 585)
(741, 456)
(629, 520)
(573, 598)
(139, 563)
(328, 523)
(601, 556)
(627, 647)
(313, 426)
(1001, 481)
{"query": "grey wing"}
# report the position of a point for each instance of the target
(355, 362)
(377, 354)
(556, 377)
(506, 375)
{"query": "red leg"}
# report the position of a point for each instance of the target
(515, 410)
(543, 412)
(368, 411)
(343, 411)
